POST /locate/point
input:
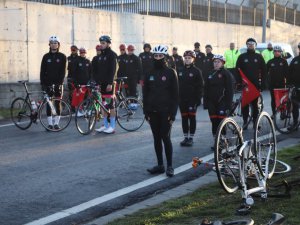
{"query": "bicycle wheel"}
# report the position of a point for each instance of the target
(130, 114)
(85, 117)
(56, 115)
(265, 147)
(20, 113)
(281, 167)
(283, 118)
(227, 142)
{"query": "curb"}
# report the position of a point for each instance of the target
(175, 192)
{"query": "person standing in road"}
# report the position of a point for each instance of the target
(160, 92)
(82, 68)
(277, 72)
(200, 56)
(104, 71)
(190, 93)
(253, 66)
(147, 61)
(53, 71)
(268, 54)
(294, 79)
(208, 65)
(177, 58)
(231, 55)
(71, 59)
(122, 60)
(133, 71)
(218, 93)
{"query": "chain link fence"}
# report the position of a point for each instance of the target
(203, 10)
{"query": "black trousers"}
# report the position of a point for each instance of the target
(161, 130)
(217, 112)
(131, 91)
(188, 117)
(57, 92)
(245, 111)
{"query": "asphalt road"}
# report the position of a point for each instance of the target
(43, 173)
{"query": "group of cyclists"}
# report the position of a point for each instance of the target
(169, 82)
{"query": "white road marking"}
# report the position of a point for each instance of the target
(113, 195)
(7, 125)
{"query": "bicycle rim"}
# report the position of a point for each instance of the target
(283, 118)
(265, 144)
(20, 113)
(60, 116)
(228, 139)
(85, 117)
(130, 115)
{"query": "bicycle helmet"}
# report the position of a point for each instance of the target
(189, 53)
(54, 39)
(130, 48)
(82, 50)
(147, 45)
(220, 57)
(277, 48)
(122, 47)
(105, 38)
(160, 49)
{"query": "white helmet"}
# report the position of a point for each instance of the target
(277, 48)
(220, 57)
(160, 49)
(54, 38)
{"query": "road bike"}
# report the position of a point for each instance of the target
(236, 160)
(25, 111)
(283, 118)
(129, 110)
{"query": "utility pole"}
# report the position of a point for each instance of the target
(264, 22)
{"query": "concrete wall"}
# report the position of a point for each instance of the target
(26, 26)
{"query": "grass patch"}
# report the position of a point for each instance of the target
(4, 113)
(213, 203)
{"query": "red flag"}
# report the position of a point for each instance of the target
(281, 96)
(250, 92)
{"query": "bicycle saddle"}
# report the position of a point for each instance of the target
(276, 219)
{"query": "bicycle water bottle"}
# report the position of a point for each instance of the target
(33, 105)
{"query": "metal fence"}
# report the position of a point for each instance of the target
(203, 10)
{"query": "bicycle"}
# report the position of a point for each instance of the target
(282, 118)
(236, 109)
(276, 219)
(236, 159)
(129, 110)
(25, 111)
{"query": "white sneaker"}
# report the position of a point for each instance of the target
(109, 130)
(79, 114)
(101, 129)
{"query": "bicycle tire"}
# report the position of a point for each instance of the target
(283, 118)
(20, 113)
(264, 141)
(63, 118)
(228, 138)
(86, 116)
(130, 115)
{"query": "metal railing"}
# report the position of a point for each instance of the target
(203, 10)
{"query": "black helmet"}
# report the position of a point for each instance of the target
(197, 45)
(208, 46)
(105, 38)
(175, 48)
(251, 40)
(147, 45)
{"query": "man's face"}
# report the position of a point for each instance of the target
(208, 50)
(251, 45)
(147, 49)
(104, 44)
(218, 64)
(130, 52)
(277, 53)
(122, 51)
(231, 46)
(82, 54)
(270, 46)
(54, 45)
(174, 52)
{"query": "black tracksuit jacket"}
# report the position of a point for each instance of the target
(208, 65)
(277, 72)
(178, 61)
(254, 67)
(199, 60)
(147, 63)
(82, 70)
(294, 72)
(53, 69)
(71, 59)
(133, 68)
(191, 85)
(160, 92)
(122, 59)
(104, 67)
